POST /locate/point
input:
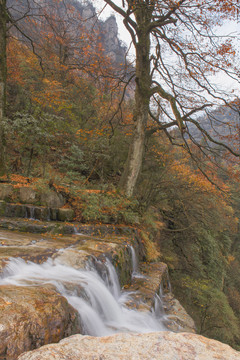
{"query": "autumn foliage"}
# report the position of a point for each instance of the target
(69, 127)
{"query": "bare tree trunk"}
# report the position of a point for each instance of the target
(135, 153)
(142, 95)
(3, 76)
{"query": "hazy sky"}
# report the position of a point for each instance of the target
(229, 28)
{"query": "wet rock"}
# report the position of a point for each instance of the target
(54, 214)
(31, 247)
(15, 210)
(154, 346)
(2, 207)
(34, 226)
(179, 319)
(31, 317)
(72, 257)
(147, 286)
(41, 213)
(155, 281)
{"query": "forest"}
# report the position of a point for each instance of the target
(152, 143)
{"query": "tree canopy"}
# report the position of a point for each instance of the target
(178, 52)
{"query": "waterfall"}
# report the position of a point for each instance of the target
(134, 260)
(98, 299)
(135, 268)
(111, 279)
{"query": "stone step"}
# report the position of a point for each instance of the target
(43, 213)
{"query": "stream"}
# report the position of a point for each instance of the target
(95, 294)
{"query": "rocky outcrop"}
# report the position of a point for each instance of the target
(72, 250)
(50, 204)
(178, 319)
(31, 317)
(153, 346)
(154, 281)
(112, 44)
(108, 31)
(40, 312)
(52, 199)
(27, 195)
(5, 191)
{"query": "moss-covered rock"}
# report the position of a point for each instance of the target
(15, 210)
(52, 199)
(28, 195)
(2, 207)
(65, 214)
(5, 191)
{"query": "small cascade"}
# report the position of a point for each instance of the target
(48, 214)
(134, 260)
(76, 232)
(30, 213)
(98, 299)
(167, 286)
(135, 266)
(112, 280)
(158, 308)
(169, 283)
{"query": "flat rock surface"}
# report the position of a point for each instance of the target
(154, 346)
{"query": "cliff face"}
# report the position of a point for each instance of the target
(112, 44)
(108, 31)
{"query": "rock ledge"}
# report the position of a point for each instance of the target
(154, 346)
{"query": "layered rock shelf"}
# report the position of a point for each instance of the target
(35, 212)
(33, 204)
(34, 316)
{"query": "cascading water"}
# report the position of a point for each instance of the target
(100, 303)
(134, 261)
(135, 267)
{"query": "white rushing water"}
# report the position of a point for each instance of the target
(135, 266)
(134, 261)
(98, 299)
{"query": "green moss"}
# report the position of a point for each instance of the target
(2, 207)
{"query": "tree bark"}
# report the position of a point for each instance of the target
(142, 97)
(3, 77)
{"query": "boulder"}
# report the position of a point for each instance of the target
(27, 195)
(31, 317)
(52, 199)
(153, 346)
(65, 214)
(5, 191)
